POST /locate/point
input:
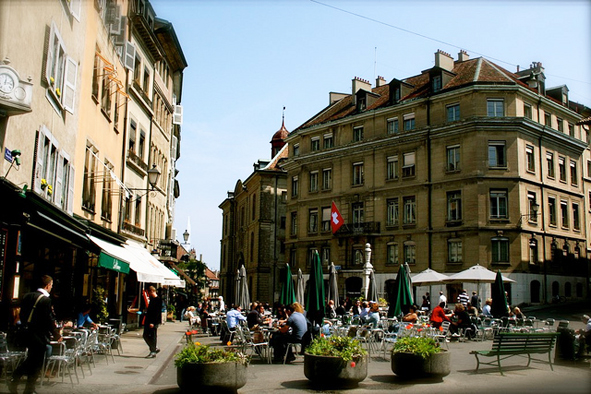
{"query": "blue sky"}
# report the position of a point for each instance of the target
(249, 59)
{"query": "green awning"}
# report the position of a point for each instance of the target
(113, 263)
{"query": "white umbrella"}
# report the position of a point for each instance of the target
(477, 274)
(333, 288)
(300, 288)
(428, 276)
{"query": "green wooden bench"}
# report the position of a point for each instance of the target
(509, 344)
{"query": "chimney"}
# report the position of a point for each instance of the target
(359, 83)
(380, 81)
(444, 60)
(463, 56)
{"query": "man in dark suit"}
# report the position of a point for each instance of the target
(153, 319)
(38, 318)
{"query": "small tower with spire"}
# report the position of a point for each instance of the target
(278, 140)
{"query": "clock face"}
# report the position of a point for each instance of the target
(6, 83)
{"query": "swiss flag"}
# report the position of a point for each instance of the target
(336, 220)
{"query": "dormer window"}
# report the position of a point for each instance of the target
(436, 83)
(361, 103)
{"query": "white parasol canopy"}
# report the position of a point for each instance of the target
(427, 277)
(476, 273)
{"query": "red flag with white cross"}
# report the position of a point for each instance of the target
(336, 220)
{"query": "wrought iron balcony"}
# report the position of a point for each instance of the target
(359, 228)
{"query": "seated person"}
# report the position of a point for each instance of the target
(330, 310)
(438, 315)
(291, 332)
(373, 317)
(486, 310)
(462, 322)
(253, 318)
(190, 315)
(411, 316)
(84, 319)
(472, 311)
(517, 313)
(364, 310)
(234, 317)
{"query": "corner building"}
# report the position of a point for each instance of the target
(465, 163)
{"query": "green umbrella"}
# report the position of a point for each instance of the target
(499, 300)
(287, 296)
(315, 297)
(401, 297)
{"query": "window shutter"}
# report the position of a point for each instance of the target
(59, 175)
(75, 6)
(177, 117)
(173, 147)
(115, 20)
(50, 53)
(39, 169)
(70, 77)
(129, 60)
(70, 200)
(120, 38)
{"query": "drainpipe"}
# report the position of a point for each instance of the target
(430, 186)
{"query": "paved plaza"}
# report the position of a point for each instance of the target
(133, 373)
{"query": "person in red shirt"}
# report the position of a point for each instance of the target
(438, 315)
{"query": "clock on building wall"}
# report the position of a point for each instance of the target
(15, 94)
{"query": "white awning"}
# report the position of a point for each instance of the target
(167, 277)
(112, 256)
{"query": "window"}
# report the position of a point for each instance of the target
(132, 134)
(294, 224)
(296, 150)
(410, 208)
(408, 164)
(548, 119)
(315, 144)
(358, 134)
(560, 124)
(326, 212)
(142, 145)
(562, 168)
(436, 83)
(392, 253)
(88, 188)
(357, 174)
(564, 213)
(552, 210)
(61, 72)
(500, 250)
(138, 211)
(453, 158)
(571, 129)
(253, 211)
(313, 181)
(392, 212)
(454, 251)
(573, 173)
(530, 158)
(106, 95)
(576, 218)
(454, 206)
(107, 200)
(498, 204)
(325, 256)
(409, 253)
(294, 186)
(527, 112)
(311, 253)
(392, 126)
(453, 112)
(313, 221)
(357, 256)
(328, 141)
(550, 163)
(589, 168)
(293, 259)
(357, 213)
(532, 214)
(327, 179)
(392, 168)
(409, 122)
(495, 108)
(496, 154)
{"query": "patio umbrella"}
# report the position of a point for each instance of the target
(499, 300)
(287, 296)
(428, 277)
(477, 274)
(315, 298)
(372, 291)
(401, 296)
(243, 295)
(237, 288)
(301, 286)
(333, 289)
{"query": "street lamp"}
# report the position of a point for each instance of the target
(153, 175)
(186, 236)
(534, 212)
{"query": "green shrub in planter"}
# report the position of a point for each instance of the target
(417, 357)
(421, 346)
(344, 347)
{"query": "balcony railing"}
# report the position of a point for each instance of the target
(130, 228)
(138, 161)
(360, 228)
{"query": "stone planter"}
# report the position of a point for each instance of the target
(413, 366)
(226, 377)
(334, 372)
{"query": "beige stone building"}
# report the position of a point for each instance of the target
(465, 163)
(253, 229)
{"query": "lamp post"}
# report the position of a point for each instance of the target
(186, 236)
(153, 175)
(367, 268)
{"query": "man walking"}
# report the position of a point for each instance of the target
(39, 321)
(153, 319)
(463, 298)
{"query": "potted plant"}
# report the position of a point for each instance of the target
(417, 357)
(335, 361)
(203, 367)
(170, 311)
